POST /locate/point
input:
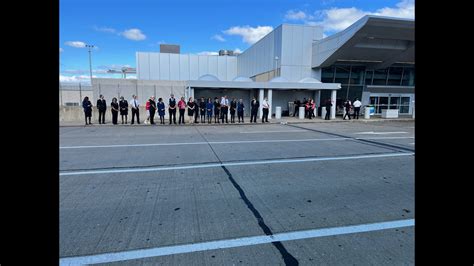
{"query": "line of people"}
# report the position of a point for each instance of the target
(196, 109)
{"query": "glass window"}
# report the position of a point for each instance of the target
(374, 100)
(355, 92)
(342, 74)
(380, 77)
(327, 74)
(404, 109)
(357, 75)
(408, 77)
(405, 101)
(395, 100)
(368, 77)
(395, 76)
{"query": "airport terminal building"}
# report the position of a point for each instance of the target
(372, 60)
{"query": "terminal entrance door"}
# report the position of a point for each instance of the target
(402, 102)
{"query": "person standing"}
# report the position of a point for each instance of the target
(114, 108)
(254, 110)
(265, 107)
(297, 107)
(224, 109)
(102, 107)
(172, 109)
(147, 108)
(233, 106)
(161, 110)
(209, 106)
(191, 107)
(347, 107)
(196, 111)
(87, 106)
(312, 107)
(152, 110)
(217, 108)
(202, 110)
(135, 109)
(357, 104)
(182, 109)
(306, 109)
(328, 109)
(240, 110)
(123, 104)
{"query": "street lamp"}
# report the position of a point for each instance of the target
(90, 60)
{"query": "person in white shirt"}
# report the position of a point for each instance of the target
(357, 104)
(224, 109)
(135, 111)
(265, 108)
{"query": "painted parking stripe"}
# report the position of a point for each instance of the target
(274, 131)
(210, 165)
(232, 243)
(219, 142)
(380, 133)
(200, 143)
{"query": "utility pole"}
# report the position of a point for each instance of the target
(90, 60)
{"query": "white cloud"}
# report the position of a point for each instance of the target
(105, 29)
(237, 51)
(85, 71)
(218, 38)
(295, 15)
(134, 35)
(76, 44)
(341, 18)
(249, 34)
(75, 79)
(208, 53)
(336, 19)
(404, 9)
(61, 50)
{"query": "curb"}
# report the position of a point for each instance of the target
(258, 123)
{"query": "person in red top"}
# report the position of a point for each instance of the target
(312, 106)
(182, 109)
(147, 108)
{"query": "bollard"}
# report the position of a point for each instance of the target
(323, 112)
(301, 113)
(367, 112)
(278, 112)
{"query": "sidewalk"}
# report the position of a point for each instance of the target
(283, 120)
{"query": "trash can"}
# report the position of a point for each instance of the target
(323, 113)
(278, 112)
(301, 113)
(367, 112)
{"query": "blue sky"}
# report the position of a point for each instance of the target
(119, 28)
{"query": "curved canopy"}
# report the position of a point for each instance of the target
(208, 77)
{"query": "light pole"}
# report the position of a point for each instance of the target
(90, 46)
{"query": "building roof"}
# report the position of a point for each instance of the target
(374, 40)
(262, 85)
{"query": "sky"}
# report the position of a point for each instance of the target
(119, 28)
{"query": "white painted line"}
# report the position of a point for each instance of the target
(200, 143)
(209, 165)
(231, 243)
(275, 131)
(380, 133)
(387, 138)
(413, 143)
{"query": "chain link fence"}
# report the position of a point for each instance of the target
(73, 94)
